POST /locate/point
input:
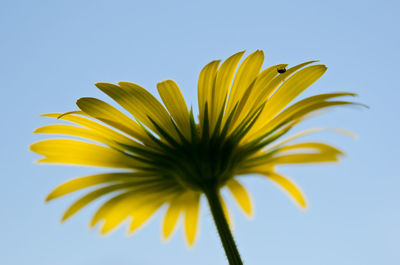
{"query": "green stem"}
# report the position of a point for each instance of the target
(224, 232)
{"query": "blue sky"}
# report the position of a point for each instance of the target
(51, 53)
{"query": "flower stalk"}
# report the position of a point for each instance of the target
(224, 231)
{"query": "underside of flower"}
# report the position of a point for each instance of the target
(167, 156)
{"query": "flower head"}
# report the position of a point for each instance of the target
(164, 155)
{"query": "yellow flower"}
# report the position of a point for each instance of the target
(168, 157)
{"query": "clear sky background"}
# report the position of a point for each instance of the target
(51, 53)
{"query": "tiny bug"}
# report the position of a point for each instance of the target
(281, 70)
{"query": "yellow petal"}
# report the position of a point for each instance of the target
(308, 152)
(113, 221)
(172, 216)
(108, 114)
(292, 88)
(305, 106)
(98, 128)
(241, 196)
(143, 214)
(245, 75)
(107, 209)
(76, 131)
(274, 84)
(81, 153)
(141, 104)
(206, 88)
(222, 85)
(265, 78)
(287, 185)
(175, 103)
(191, 209)
(294, 137)
(92, 180)
(313, 147)
(135, 201)
(90, 197)
(268, 89)
(258, 93)
(303, 158)
(118, 209)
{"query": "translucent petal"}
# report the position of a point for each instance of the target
(131, 204)
(305, 106)
(108, 114)
(141, 104)
(303, 158)
(241, 196)
(92, 180)
(76, 131)
(143, 214)
(258, 93)
(308, 152)
(191, 208)
(108, 209)
(286, 184)
(175, 103)
(90, 197)
(313, 147)
(206, 87)
(270, 88)
(291, 88)
(222, 85)
(290, 187)
(81, 153)
(172, 216)
(246, 74)
(100, 129)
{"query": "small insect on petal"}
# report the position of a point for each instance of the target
(281, 70)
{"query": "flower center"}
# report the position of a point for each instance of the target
(203, 163)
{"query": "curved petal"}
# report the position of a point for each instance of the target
(132, 203)
(291, 88)
(74, 152)
(287, 185)
(108, 114)
(143, 214)
(313, 147)
(311, 131)
(141, 104)
(93, 180)
(175, 103)
(305, 106)
(259, 93)
(77, 132)
(90, 197)
(127, 205)
(100, 129)
(303, 158)
(223, 83)
(246, 74)
(171, 217)
(241, 196)
(270, 88)
(205, 88)
(191, 209)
